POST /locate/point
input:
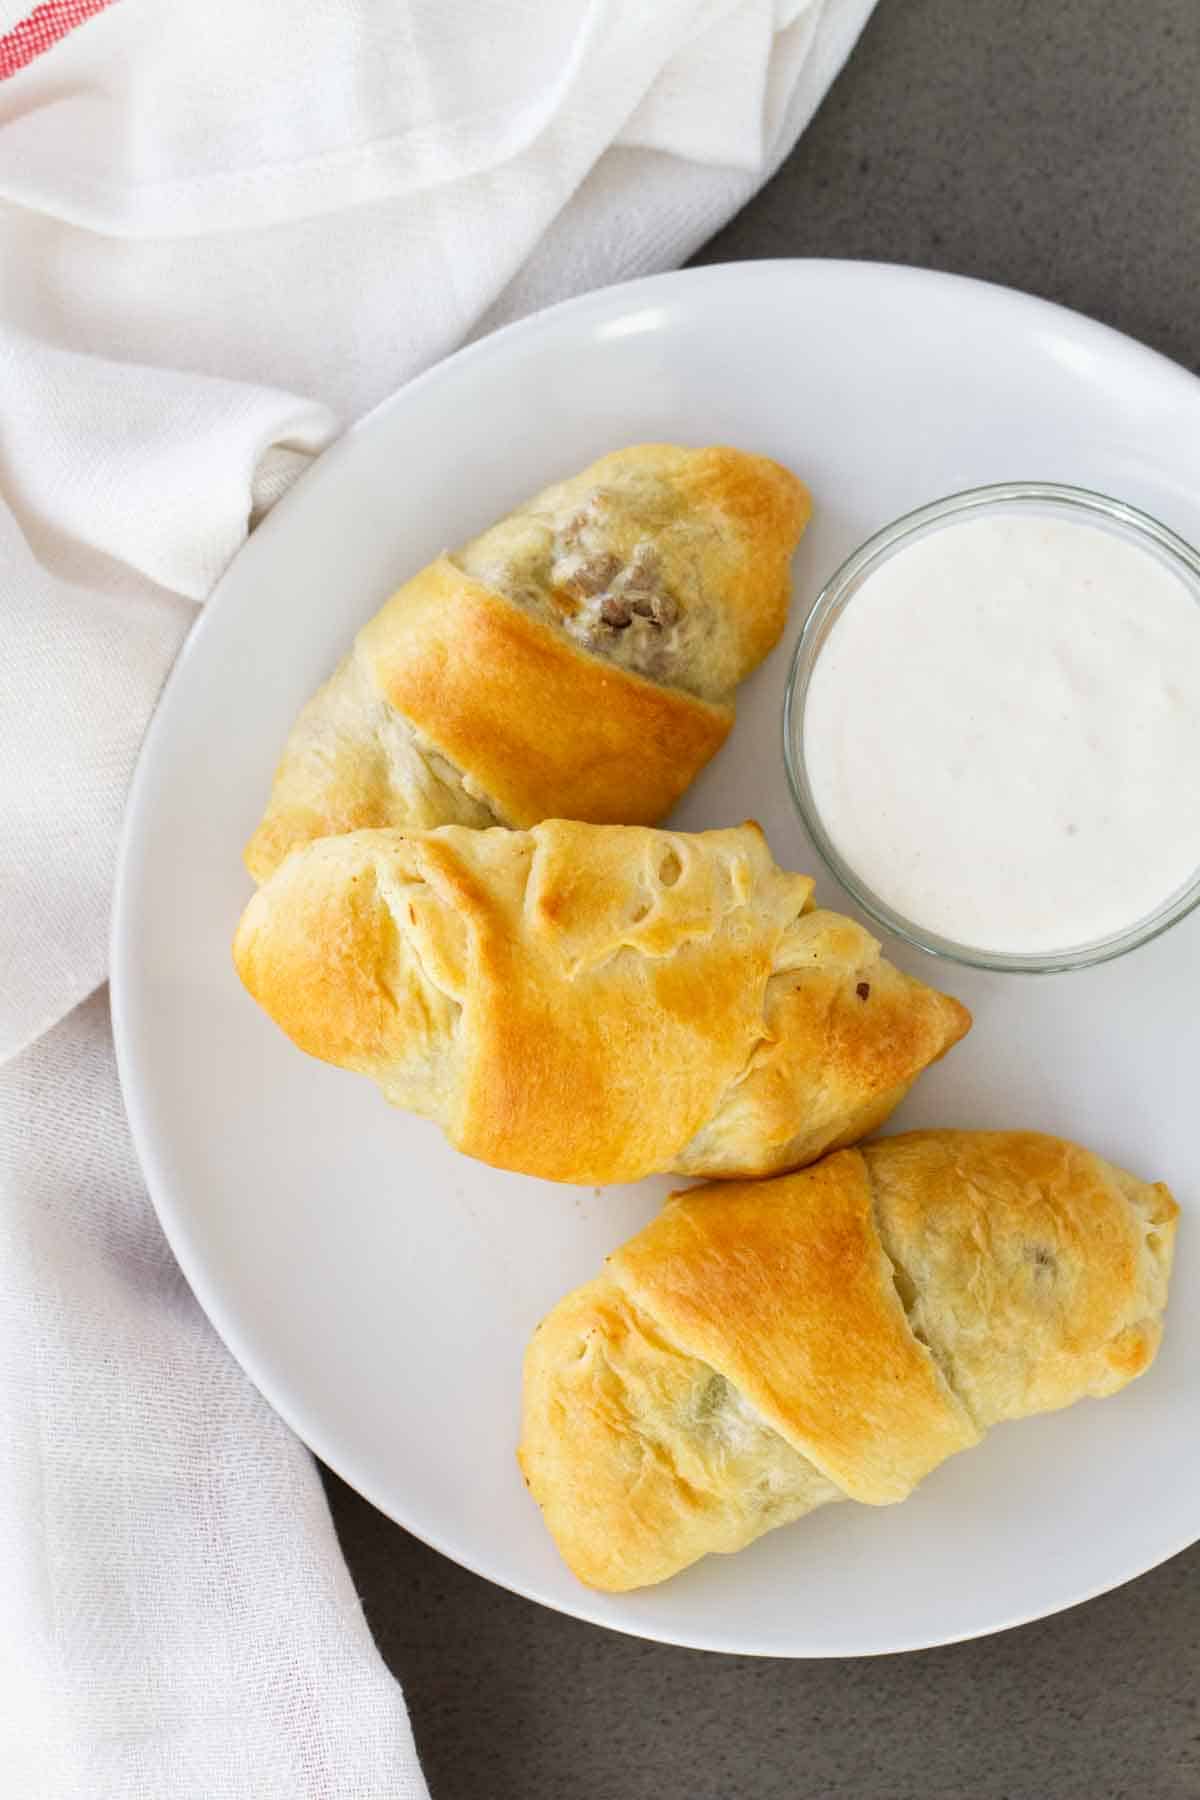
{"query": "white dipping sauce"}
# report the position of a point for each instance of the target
(1002, 732)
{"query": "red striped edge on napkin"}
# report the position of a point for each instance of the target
(43, 28)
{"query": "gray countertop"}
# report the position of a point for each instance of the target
(1053, 145)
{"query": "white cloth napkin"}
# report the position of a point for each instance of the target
(224, 233)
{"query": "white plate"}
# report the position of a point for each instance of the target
(378, 1287)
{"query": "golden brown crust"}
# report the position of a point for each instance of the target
(353, 763)
(361, 962)
(675, 1466)
(723, 526)
(846, 1034)
(610, 1009)
(485, 692)
(862, 1319)
(1051, 1257)
(601, 1042)
(785, 1289)
(550, 730)
(768, 510)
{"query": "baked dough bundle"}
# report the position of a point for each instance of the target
(592, 1003)
(762, 1348)
(578, 660)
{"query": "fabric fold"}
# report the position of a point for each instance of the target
(221, 242)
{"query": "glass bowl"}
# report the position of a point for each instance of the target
(1039, 496)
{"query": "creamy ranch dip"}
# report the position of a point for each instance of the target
(1002, 732)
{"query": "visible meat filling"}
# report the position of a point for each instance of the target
(603, 597)
(616, 614)
(623, 575)
(589, 576)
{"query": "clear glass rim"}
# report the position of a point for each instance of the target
(838, 592)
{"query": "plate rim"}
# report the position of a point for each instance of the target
(288, 1406)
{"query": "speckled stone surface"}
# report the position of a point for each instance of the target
(1053, 145)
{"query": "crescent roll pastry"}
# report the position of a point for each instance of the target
(592, 1003)
(577, 660)
(764, 1347)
